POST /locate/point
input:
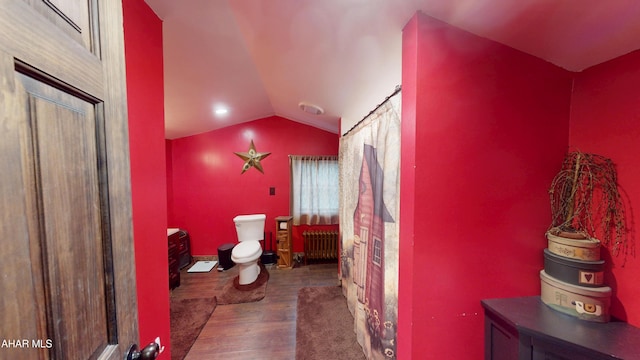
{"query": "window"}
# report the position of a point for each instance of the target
(377, 251)
(314, 189)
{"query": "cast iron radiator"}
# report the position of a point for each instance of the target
(320, 245)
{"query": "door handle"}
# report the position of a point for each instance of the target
(150, 352)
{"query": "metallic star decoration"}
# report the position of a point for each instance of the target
(252, 158)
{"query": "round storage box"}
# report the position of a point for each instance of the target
(580, 249)
(591, 304)
(572, 271)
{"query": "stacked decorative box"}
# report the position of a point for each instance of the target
(572, 281)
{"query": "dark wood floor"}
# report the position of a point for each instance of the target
(260, 330)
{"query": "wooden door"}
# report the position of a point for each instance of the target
(67, 278)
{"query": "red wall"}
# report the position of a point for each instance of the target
(484, 130)
(143, 49)
(605, 110)
(209, 189)
(169, 179)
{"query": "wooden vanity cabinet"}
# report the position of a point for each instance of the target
(174, 260)
(184, 249)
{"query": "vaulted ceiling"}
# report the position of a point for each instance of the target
(258, 58)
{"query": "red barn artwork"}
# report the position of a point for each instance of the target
(368, 251)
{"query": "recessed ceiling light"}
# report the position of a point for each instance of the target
(220, 109)
(311, 108)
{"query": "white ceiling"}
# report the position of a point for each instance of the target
(263, 57)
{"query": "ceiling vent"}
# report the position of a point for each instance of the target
(311, 109)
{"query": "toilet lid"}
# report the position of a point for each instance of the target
(246, 249)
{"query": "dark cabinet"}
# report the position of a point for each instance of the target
(174, 260)
(184, 249)
(526, 328)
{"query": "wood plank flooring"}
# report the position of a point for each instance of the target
(261, 330)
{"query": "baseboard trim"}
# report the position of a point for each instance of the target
(204, 257)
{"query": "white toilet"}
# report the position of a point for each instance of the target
(250, 230)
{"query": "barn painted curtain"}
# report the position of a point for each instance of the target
(369, 160)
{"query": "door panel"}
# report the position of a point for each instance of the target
(33, 39)
(65, 205)
(74, 18)
(63, 130)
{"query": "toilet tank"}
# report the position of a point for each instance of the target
(250, 227)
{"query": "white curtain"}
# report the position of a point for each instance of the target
(314, 189)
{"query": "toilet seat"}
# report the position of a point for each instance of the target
(246, 250)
